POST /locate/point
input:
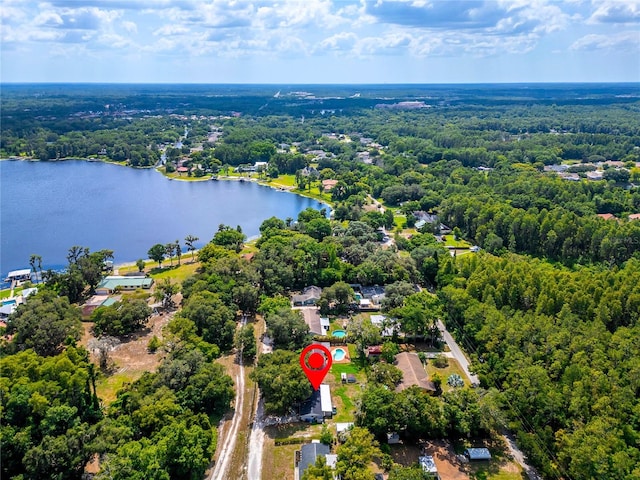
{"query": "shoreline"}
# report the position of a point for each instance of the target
(281, 188)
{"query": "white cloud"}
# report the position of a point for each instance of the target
(620, 41)
(129, 27)
(616, 11)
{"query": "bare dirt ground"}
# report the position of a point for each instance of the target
(130, 358)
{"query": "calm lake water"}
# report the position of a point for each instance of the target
(45, 208)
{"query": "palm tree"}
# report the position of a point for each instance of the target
(169, 248)
(178, 250)
(189, 241)
(33, 261)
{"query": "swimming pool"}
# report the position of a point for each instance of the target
(339, 333)
(9, 302)
(339, 354)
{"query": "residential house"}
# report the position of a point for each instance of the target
(308, 454)
(634, 216)
(597, 175)
(607, 216)
(318, 406)
(309, 296)
(328, 185)
(387, 328)
(308, 171)
(19, 275)
(413, 373)
(374, 351)
(118, 282)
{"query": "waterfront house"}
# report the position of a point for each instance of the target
(118, 282)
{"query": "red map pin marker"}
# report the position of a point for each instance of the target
(316, 361)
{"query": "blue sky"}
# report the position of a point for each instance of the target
(320, 41)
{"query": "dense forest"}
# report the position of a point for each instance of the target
(548, 309)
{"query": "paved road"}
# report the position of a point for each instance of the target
(456, 353)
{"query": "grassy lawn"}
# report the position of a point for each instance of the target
(176, 273)
(444, 373)
(450, 242)
(284, 181)
(7, 292)
(107, 387)
(399, 221)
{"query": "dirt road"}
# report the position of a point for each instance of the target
(227, 436)
(256, 439)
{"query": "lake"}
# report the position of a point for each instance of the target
(47, 207)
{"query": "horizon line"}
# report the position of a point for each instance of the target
(321, 84)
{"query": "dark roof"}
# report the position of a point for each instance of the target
(308, 454)
(312, 405)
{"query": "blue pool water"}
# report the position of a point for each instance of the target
(339, 333)
(339, 354)
(8, 302)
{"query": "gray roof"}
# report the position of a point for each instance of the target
(478, 453)
(309, 453)
(312, 405)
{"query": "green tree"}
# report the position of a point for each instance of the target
(157, 253)
(287, 329)
(282, 382)
(213, 319)
(230, 238)
(140, 264)
(189, 241)
(44, 323)
(121, 318)
(319, 471)
(355, 455)
(245, 341)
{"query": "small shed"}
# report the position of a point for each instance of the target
(478, 454)
(428, 466)
(393, 438)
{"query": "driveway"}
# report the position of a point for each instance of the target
(456, 353)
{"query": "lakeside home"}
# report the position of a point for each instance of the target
(117, 282)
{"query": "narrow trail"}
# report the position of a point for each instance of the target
(256, 439)
(227, 439)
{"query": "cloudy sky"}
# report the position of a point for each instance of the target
(320, 41)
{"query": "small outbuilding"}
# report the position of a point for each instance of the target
(477, 454)
(428, 466)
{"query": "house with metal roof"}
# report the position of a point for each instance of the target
(428, 466)
(477, 454)
(117, 282)
(318, 406)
